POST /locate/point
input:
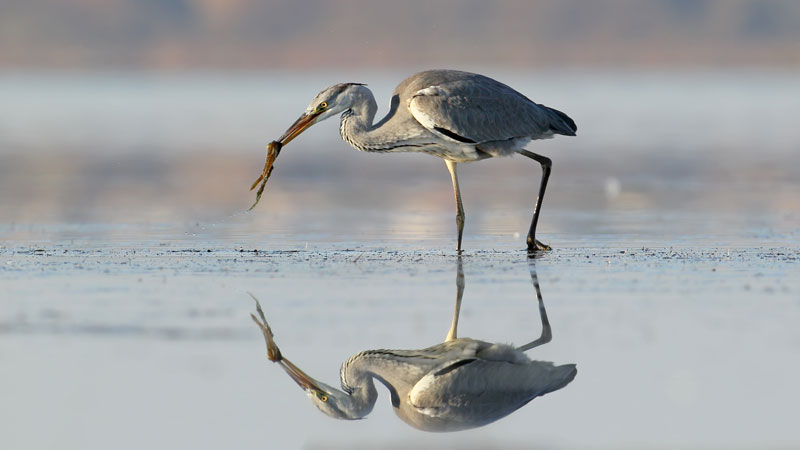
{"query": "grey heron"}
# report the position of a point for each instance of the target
(459, 384)
(457, 116)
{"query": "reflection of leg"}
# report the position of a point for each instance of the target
(546, 163)
(273, 352)
(453, 333)
(547, 334)
(451, 166)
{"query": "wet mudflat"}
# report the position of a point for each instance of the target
(119, 342)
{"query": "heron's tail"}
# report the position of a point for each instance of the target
(562, 376)
(552, 378)
(561, 123)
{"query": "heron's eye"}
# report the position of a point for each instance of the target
(323, 105)
(322, 397)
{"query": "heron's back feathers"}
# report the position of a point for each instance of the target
(472, 108)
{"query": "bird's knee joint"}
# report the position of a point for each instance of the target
(547, 336)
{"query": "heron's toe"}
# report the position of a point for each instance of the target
(537, 247)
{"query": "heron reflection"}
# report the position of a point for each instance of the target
(459, 384)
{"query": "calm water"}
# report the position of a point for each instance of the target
(126, 259)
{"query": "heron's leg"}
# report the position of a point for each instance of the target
(547, 164)
(451, 166)
(547, 333)
(453, 333)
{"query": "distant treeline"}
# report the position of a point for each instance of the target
(257, 34)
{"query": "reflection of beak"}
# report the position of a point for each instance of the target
(305, 121)
(299, 377)
(274, 353)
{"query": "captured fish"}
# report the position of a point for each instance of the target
(273, 150)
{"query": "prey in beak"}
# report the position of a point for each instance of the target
(274, 149)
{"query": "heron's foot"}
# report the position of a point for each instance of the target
(273, 352)
(537, 246)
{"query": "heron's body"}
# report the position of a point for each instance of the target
(457, 116)
(455, 385)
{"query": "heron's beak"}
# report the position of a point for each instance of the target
(301, 378)
(300, 125)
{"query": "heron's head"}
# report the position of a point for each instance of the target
(328, 103)
(331, 101)
(329, 400)
(335, 403)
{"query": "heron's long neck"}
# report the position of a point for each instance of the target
(358, 130)
(360, 388)
(398, 370)
(356, 125)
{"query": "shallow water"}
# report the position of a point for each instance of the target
(673, 282)
(149, 343)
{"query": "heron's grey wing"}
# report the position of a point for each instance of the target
(480, 391)
(479, 109)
